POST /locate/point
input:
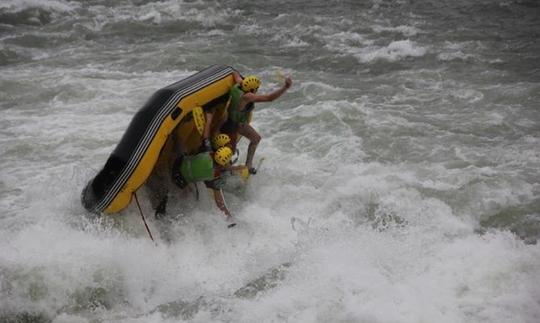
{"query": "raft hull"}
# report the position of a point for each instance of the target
(167, 112)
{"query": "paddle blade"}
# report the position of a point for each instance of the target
(198, 119)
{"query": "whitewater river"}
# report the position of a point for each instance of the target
(401, 181)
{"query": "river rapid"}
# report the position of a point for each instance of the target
(401, 180)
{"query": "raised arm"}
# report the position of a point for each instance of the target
(268, 97)
(206, 132)
(237, 77)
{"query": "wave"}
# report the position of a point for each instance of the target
(396, 50)
(34, 12)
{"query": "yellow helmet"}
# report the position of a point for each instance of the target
(251, 84)
(223, 155)
(220, 140)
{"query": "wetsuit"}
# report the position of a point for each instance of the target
(235, 115)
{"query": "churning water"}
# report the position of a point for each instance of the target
(401, 180)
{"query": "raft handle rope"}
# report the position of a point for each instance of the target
(142, 216)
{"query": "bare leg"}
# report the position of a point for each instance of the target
(209, 117)
(158, 182)
(157, 185)
(247, 131)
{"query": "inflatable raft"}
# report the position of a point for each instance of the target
(168, 114)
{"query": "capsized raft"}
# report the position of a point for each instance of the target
(168, 112)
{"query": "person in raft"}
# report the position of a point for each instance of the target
(208, 167)
(243, 96)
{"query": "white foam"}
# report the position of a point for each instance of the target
(357, 229)
(457, 55)
(396, 50)
(291, 41)
(442, 283)
(365, 243)
(404, 30)
(468, 95)
(345, 41)
(55, 5)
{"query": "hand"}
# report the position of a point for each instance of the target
(230, 222)
(288, 82)
(177, 177)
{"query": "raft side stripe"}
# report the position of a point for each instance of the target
(145, 142)
(152, 130)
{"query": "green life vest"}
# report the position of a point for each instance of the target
(197, 168)
(234, 112)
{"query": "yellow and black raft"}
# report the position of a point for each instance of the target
(170, 113)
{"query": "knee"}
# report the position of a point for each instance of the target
(255, 139)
